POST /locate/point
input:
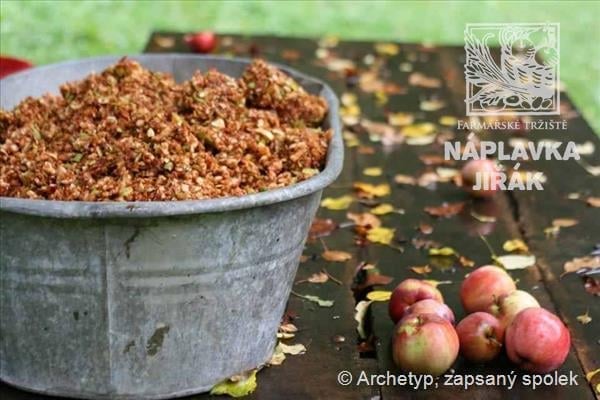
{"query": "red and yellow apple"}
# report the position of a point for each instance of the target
(483, 173)
(430, 306)
(483, 286)
(506, 307)
(408, 292)
(424, 344)
(537, 341)
(480, 335)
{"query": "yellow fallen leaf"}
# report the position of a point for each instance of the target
(387, 49)
(337, 203)
(515, 261)
(584, 318)
(515, 245)
(242, 386)
(432, 104)
(364, 219)
(373, 171)
(448, 120)
(380, 190)
(420, 141)
(400, 119)
(359, 316)
(382, 209)
(590, 375)
(293, 349)
(379, 295)
(435, 283)
(314, 299)
(381, 235)
(418, 130)
(402, 179)
(443, 251)
(336, 255)
(422, 269)
(350, 139)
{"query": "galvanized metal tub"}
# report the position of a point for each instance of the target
(147, 299)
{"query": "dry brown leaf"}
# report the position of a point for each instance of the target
(577, 263)
(584, 318)
(593, 201)
(445, 210)
(336, 255)
(425, 229)
(318, 277)
(419, 79)
(466, 262)
(564, 222)
(404, 179)
(369, 190)
(423, 269)
(321, 227)
(364, 219)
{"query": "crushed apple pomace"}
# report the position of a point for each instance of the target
(130, 134)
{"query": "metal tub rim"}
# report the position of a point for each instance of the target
(144, 209)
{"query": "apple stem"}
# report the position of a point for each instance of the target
(491, 250)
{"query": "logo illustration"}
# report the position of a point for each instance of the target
(520, 79)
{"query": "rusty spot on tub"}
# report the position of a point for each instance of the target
(129, 241)
(129, 346)
(156, 341)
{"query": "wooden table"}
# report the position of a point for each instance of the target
(330, 333)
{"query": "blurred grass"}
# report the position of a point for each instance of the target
(49, 31)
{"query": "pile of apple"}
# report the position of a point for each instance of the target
(425, 340)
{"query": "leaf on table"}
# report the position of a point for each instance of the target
(515, 261)
(400, 119)
(315, 299)
(318, 277)
(366, 276)
(421, 269)
(483, 218)
(443, 252)
(368, 190)
(421, 80)
(368, 150)
(584, 319)
(421, 243)
(428, 178)
(382, 209)
(515, 245)
(593, 201)
(278, 356)
(585, 149)
(590, 375)
(322, 227)
(448, 120)
(336, 255)
(293, 350)
(466, 262)
(418, 130)
(360, 312)
(578, 263)
(434, 104)
(435, 283)
(445, 210)
(238, 386)
(425, 228)
(381, 235)
(364, 219)
(337, 203)
(350, 139)
(446, 174)
(387, 49)
(402, 179)
(564, 222)
(372, 171)
(379, 295)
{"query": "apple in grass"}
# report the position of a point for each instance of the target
(430, 306)
(408, 292)
(537, 340)
(480, 177)
(424, 344)
(483, 286)
(480, 335)
(506, 307)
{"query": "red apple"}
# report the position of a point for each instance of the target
(483, 286)
(480, 335)
(408, 292)
(430, 306)
(424, 344)
(484, 173)
(537, 341)
(202, 42)
(506, 307)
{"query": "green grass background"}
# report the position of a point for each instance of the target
(49, 31)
